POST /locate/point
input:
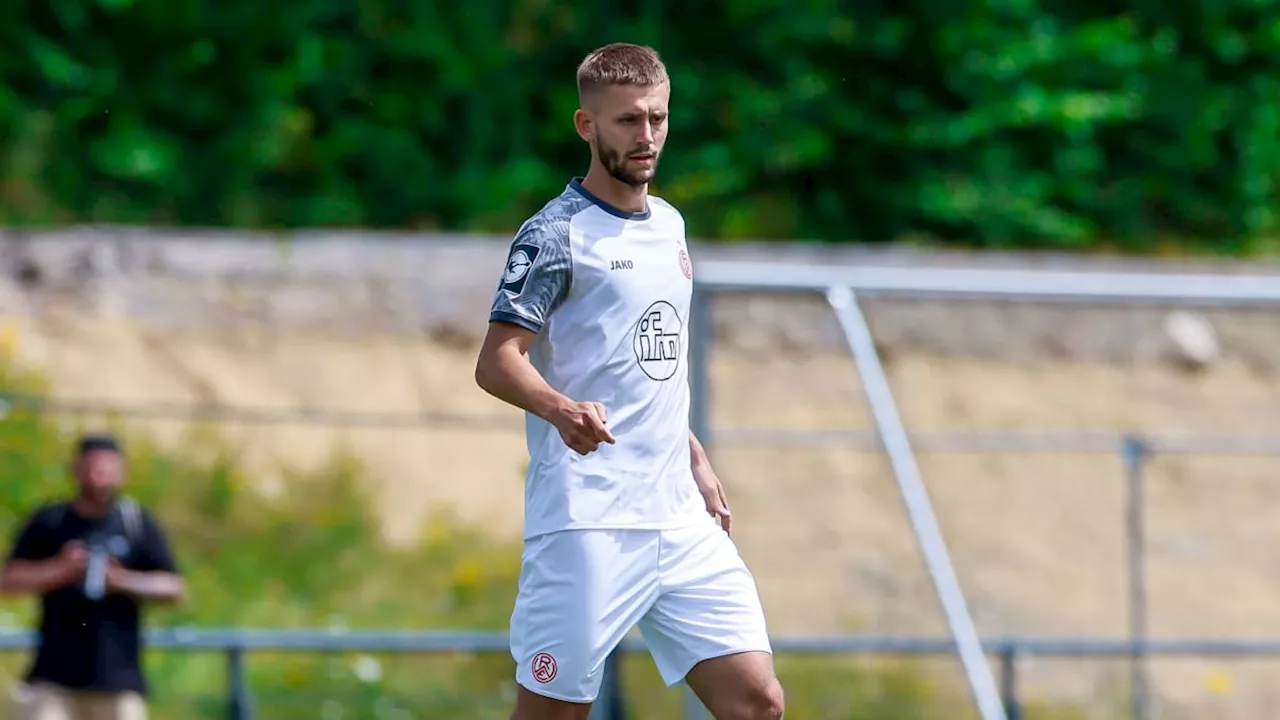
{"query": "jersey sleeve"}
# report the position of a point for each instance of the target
(537, 276)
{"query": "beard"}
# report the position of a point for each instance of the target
(99, 494)
(615, 163)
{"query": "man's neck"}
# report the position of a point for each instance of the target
(90, 508)
(628, 198)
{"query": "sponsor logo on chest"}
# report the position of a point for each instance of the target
(682, 258)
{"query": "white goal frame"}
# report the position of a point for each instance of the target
(843, 286)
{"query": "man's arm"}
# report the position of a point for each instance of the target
(151, 585)
(697, 453)
(34, 567)
(536, 279)
(708, 482)
(154, 577)
(38, 577)
(503, 370)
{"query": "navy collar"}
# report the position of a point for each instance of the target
(576, 185)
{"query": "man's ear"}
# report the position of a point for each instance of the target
(584, 124)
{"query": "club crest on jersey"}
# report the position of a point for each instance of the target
(685, 265)
(519, 263)
(657, 340)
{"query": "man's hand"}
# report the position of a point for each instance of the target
(708, 483)
(72, 561)
(40, 577)
(582, 426)
(712, 493)
(118, 576)
(153, 586)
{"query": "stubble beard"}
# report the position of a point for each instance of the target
(615, 163)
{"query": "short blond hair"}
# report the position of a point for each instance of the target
(620, 64)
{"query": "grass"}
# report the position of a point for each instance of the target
(315, 558)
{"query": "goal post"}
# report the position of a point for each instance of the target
(844, 286)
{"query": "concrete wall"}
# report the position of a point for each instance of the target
(441, 285)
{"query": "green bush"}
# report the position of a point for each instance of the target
(315, 558)
(1029, 123)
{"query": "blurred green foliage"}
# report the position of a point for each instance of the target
(315, 558)
(1027, 123)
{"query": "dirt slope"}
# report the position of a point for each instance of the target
(1037, 538)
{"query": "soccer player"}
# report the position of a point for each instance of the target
(588, 334)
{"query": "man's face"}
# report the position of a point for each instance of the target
(626, 126)
(99, 473)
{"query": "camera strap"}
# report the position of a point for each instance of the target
(131, 514)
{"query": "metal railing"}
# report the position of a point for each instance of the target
(235, 644)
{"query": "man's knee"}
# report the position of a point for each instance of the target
(763, 702)
(740, 686)
(760, 702)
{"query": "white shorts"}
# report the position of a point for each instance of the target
(581, 592)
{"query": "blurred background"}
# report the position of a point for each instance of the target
(260, 241)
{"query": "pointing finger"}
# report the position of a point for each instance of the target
(601, 432)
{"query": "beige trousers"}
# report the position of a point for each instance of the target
(51, 702)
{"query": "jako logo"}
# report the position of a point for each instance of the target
(622, 265)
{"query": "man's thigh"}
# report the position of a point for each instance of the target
(111, 706)
(580, 592)
(709, 607)
(45, 702)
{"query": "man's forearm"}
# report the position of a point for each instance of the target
(154, 586)
(511, 378)
(697, 454)
(32, 577)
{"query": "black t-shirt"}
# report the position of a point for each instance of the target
(87, 644)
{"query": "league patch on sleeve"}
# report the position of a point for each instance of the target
(518, 265)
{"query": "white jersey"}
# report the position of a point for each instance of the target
(608, 293)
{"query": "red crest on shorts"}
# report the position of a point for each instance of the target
(544, 668)
(685, 265)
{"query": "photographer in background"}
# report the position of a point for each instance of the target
(93, 561)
